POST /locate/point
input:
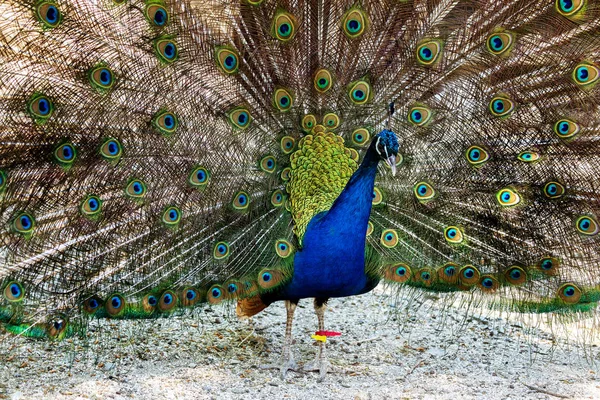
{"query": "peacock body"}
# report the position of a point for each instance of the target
(156, 155)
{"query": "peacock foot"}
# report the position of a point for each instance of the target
(320, 364)
(285, 364)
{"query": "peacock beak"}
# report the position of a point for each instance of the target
(391, 161)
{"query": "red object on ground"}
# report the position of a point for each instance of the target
(328, 333)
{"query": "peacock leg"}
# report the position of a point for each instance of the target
(287, 356)
(320, 363)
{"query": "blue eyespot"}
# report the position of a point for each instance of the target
(569, 291)
(283, 246)
(583, 74)
(416, 116)
(242, 199)
(285, 29)
(422, 189)
(115, 301)
(43, 106)
(425, 276)
(353, 26)
(67, 152)
(167, 298)
(243, 118)
(401, 271)
(496, 43)
(93, 303)
(160, 17)
(426, 53)
(487, 283)
(389, 237)
(25, 222)
(469, 273)
(451, 233)
(284, 101)
(358, 94)
(515, 274)
(169, 50)
(584, 224)
(169, 121)
(450, 270)
(15, 290)
(201, 175)
(266, 277)
(232, 288)
(152, 300)
(498, 106)
(216, 293)
(173, 215)
(138, 188)
(113, 147)
(93, 204)
(52, 15)
(105, 76)
(230, 62)
(190, 294)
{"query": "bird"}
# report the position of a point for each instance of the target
(159, 155)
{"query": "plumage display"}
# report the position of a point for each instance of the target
(160, 154)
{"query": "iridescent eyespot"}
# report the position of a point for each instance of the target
(488, 283)
(554, 190)
(171, 216)
(529, 156)
(165, 122)
(56, 327)
(569, 8)
(389, 238)
(283, 248)
(323, 80)
(199, 177)
(232, 288)
(331, 120)
(426, 277)
(398, 273)
(370, 228)
(507, 197)
(359, 91)
(477, 156)
(215, 294)
(48, 14)
(168, 301)
(189, 296)
(284, 26)
(3, 180)
(377, 196)
(515, 275)
(266, 277)
(157, 15)
(136, 188)
(565, 128)
(111, 149)
(92, 304)
(308, 122)
(166, 50)
(268, 164)
(24, 224)
(360, 136)
(271, 278)
(499, 43)
(14, 292)
(453, 235)
(585, 74)
(501, 106)
(429, 52)
(419, 116)
(469, 275)
(286, 174)
(354, 23)
(424, 191)
(221, 250)
(40, 107)
(149, 303)
(549, 265)
(287, 144)
(241, 200)
(283, 100)
(277, 198)
(587, 226)
(115, 304)
(227, 59)
(101, 78)
(239, 117)
(448, 273)
(65, 154)
(91, 206)
(569, 293)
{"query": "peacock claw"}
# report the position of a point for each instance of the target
(284, 365)
(322, 365)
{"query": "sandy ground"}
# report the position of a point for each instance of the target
(427, 351)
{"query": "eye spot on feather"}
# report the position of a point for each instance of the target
(157, 15)
(360, 136)
(111, 150)
(241, 201)
(215, 294)
(566, 129)
(419, 115)
(515, 276)
(91, 206)
(283, 100)
(48, 14)
(448, 273)
(569, 293)
(115, 304)
(399, 273)
(587, 226)
(13, 292)
(166, 50)
(24, 224)
(360, 92)
(149, 303)
(92, 304)
(56, 326)
(199, 177)
(287, 144)
(488, 283)
(549, 265)
(508, 197)
(429, 52)
(171, 216)
(227, 59)
(165, 122)
(168, 301)
(221, 250)
(569, 8)
(554, 190)
(370, 228)
(284, 26)
(283, 248)
(239, 117)
(501, 106)
(585, 74)
(389, 238)
(322, 82)
(424, 191)
(377, 197)
(286, 174)
(453, 235)
(354, 23)
(268, 164)
(277, 198)
(65, 155)
(101, 78)
(477, 156)
(40, 108)
(309, 121)
(331, 120)
(529, 156)
(190, 296)
(500, 43)
(469, 275)
(426, 277)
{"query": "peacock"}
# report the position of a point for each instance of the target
(158, 155)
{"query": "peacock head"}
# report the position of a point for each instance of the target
(386, 145)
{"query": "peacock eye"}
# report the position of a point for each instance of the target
(41, 108)
(101, 78)
(508, 197)
(477, 156)
(469, 275)
(359, 92)
(323, 80)
(389, 238)
(398, 273)
(216, 293)
(284, 26)
(190, 294)
(277, 198)
(65, 154)
(221, 250)
(569, 293)
(499, 43)
(91, 206)
(91, 305)
(171, 216)
(488, 283)
(501, 106)
(529, 156)
(157, 15)
(569, 8)
(360, 136)
(554, 190)
(331, 120)
(516, 275)
(287, 144)
(136, 188)
(424, 191)
(115, 304)
(429, 52)
(268, 164)
(419, 115)
(165, 122)
(566, 129)
(453, 235)
(239, 117)
(377, 197)
(241, 200)
(166, 49)
(354, 23)
(24, 224)
(199, 177)
(13, 292)
(227, 59)
(283, 248)
(283, 100)
(48, 14)
(308, 122)
(111, 149)
(286, 174)
(587, 226)
(585, 74)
